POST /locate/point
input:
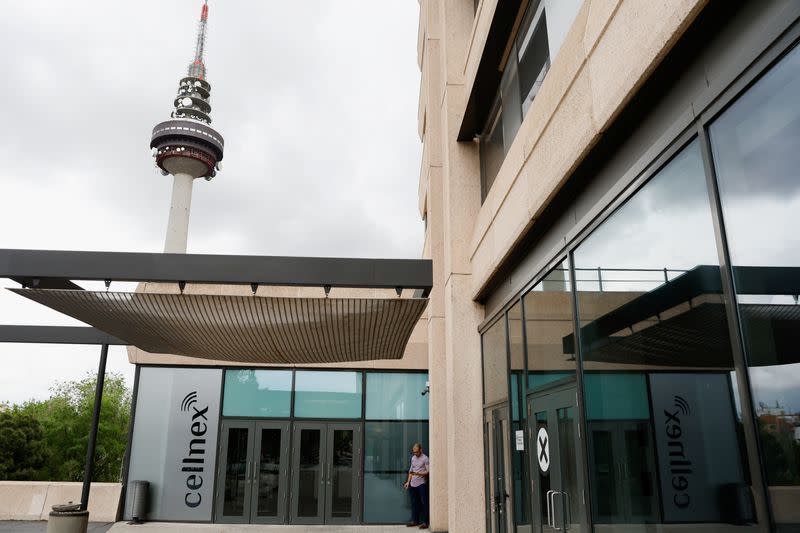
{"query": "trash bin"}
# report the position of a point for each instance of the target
(68, 518)
(136, 500)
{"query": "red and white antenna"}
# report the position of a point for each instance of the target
(197, 68)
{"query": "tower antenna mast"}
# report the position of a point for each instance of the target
(197, 68)
(186, 146)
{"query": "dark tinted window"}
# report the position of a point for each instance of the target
(663, 430)
(756, 147)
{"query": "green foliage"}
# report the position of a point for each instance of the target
(64, 421)
(22, 447)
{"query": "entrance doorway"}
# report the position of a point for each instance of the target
(268, 476)
(252, 475)
(498, 434)
(553, 438)
(326, 473)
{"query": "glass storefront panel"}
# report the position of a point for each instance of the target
(385, 501)
(320, 394)
(495, 363)
(387, 458)
(261, 393)
(519, 464)
(548, 322)
(664, 433)
(396, 396)
(755, 147)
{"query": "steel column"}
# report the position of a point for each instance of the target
(98, 399)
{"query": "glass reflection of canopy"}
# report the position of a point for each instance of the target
(683, 322)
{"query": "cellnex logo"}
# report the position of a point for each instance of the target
(680, 466)
(195, 460)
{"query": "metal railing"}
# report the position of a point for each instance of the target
(665, 275)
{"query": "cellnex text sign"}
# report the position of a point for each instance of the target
(191, 446)
(175, 440)
(694, 417)
(194, 463)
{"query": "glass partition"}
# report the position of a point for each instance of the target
(257, 393)
(664, 434)
(387, 458)
(320, 394)
(396, 396)
(755, 146)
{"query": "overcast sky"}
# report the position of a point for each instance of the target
(316, 99)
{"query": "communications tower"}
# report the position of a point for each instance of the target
(186, 146)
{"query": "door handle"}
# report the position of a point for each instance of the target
(247, 472)
(568, 511)
(548, 497)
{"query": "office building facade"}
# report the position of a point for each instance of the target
(610, 189)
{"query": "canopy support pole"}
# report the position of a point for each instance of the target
(98, 400)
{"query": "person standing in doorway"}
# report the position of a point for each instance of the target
(417, 483)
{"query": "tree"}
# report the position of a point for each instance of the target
(22, 445)
(66, 419)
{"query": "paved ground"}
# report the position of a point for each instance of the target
(149, 527)
(122, 527)
(41, 527)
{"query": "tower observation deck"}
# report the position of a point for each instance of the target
(186, 146)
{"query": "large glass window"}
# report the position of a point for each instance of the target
(387, 458)
(495, 363)
(532, 53)
(266, 393)
(492, 150)
(664, 433)
(396, 396)
(756, 152)
(544, 26)
(320, 394)
(548, 326)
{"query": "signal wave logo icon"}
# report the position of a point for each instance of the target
(188, 401)
(682, 405)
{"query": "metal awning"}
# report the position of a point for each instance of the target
(236, 328)
(248, 329)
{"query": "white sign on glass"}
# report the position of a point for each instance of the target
(543, 449)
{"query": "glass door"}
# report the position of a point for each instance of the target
(308, 473)
(553, 438)
(500, 471)
(326, 474)
(623, 463)
(234, 489)
(343, 483)
(270, 473)
(253, 472)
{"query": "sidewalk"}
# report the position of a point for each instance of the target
(122, 527)
(40, 527)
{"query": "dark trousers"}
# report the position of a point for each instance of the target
(419, 504)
